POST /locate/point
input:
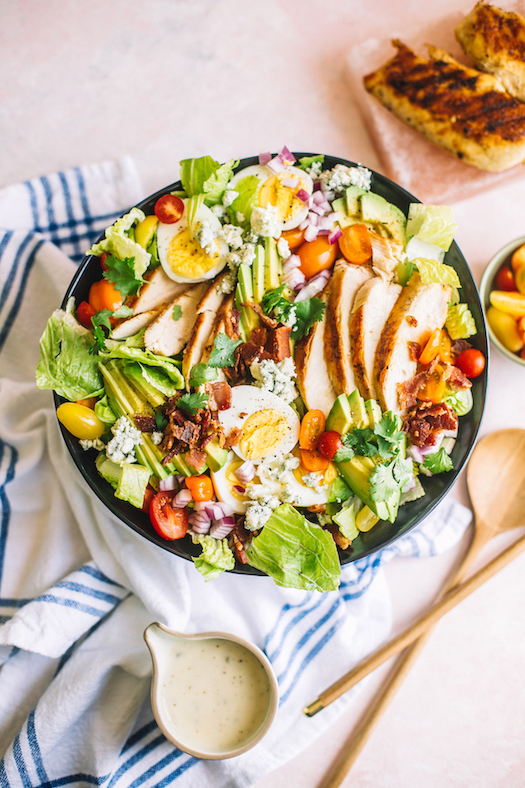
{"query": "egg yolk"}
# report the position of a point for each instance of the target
(187, 259)
(262, 433)
(233, 482)
(283, 197)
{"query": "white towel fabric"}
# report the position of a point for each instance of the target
(78, 588)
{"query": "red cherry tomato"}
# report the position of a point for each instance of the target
(317, 255)
(355, 244)
(169, 209)
(148, 497)
(200, 487)
(505, 279)
(329, 444)
(312, 427)
(168, 522)
(84, 314)
(103, 257)
(471, 362)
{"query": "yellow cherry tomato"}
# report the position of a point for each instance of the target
(80, 421)
(505, 328)
(145, 229)
(519, 279)
(518, 258)
(512, 303)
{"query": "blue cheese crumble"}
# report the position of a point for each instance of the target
(229, 197)
(315, 481)
(260, 505)
(342, 176)
(283, 248)
(276, 377)
(264, 221)
(121, 447)
(206, 234)
(93, 444)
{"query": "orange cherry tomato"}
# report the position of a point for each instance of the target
(471, 362)
(355, 244)
(519, 279)
(505, 279)
(294, 237)
(84, 314)
(201, 487)
(435, 387)
(87, 403)
(518, 258)
(104, 295)
(313, 461)
(317, 255)
(169, 522)
(312, 427)
(431, 348)
(169, 209)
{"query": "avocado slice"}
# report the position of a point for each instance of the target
(373, 410)
(258, 274)
(375, 208)
(216, 456)
(357, 410)
(244, 294)
(353, 200)
(340, 416)
(272, 264)
(356, 473)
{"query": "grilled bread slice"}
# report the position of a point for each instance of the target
(495, 42)
(463, 111)
(313, 379)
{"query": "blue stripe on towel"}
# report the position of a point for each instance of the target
(82, 589)
(35, 749)
(20, 763)
(4, 501)
(4, 333)
(94, 572)
(57, 600)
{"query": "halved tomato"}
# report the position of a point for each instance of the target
(169, 522)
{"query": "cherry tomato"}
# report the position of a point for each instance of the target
(505, 279)
(312, 427)
(431, 348)
(200, 487)
(294, 237)
(316, 255)
(329, 444)
(148, 497)
(513, 303)
(313, 461)
(103, 257)
(168, 522)
(519, 279)
(471, 362)
(104, 295)
(435, 387)
(169, 209)
(80, 421)
(518, 258)
(355, 244)
(88, 403)
(84, 314)
(505, 328)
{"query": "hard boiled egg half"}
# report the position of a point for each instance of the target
(280, 190)
(182, 257)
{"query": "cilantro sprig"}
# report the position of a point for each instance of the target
(300, 315)
(191, 403)
(202, 373)
(438, 462)
(223, 350)
(121, 273)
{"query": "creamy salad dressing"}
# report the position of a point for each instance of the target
(215, 693)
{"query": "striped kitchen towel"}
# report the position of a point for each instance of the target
(78, 587)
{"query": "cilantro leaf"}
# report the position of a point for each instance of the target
(123, 311)
(389, 435)
(438, 462)
(191, 403)
(359, 441)
(274, 301)
(306, 313)
(121, 273)
(202, 373)
(388, 478)
(161, 421)
(223, 349)
(344, 453)
(100, 319)
(177, 312)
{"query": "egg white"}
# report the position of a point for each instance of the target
(300, 208)
(258, 170)
(302, 494)
(247, 400)
(166, 233)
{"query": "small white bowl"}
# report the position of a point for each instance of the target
(488, 284)
(162, 643)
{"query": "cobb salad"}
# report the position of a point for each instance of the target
(270, 362)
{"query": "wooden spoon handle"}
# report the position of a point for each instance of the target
(416, 629)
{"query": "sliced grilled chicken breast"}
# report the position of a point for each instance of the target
(372, 306)
(313, 380)
(417, 312)
(219, 327)
(207, 310)
(131, 325)
(158, 290)
(344, 283)
(166, 336)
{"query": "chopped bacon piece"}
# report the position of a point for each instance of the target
(456, 379)
(411, 320)
(414, 351)
(460, 345)
(259, 336)
(188, 433)
(220, 395)
(197, 459)
(423, 422)
(281, 343)
(144, 422)
(408, 390)
(232, 320)
(232, 439)
(265, 320)
(204, 442)
(239, 538)
(340, 540)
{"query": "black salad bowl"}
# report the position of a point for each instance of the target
(382, 534)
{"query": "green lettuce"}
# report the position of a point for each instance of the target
(104, 412)
(345, 519)
(295, 552)
(431, 223)
(132, 484)
(305, 162)
(460, 401)
(434, 273)
(118, 241)
(66, 364)
(460, 323)
(206, 176)
(248, 191)
(144, 357)
(193, 207)
(215, 558)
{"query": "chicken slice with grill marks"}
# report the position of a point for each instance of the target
(313, 379)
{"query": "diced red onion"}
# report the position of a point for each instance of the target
(239, 489)
(310, 234)
(304, 224)
(313, 219)
(335, 235)
(170, 483)
(294, 261)
(302, 195)
(245, 472)
(264, 158)
(294, 278)
(220, 529)
(182, 499)
(328, 194)
(418, 453)
(325, 222)
(318, 196)
(276, 165)
(323, 232)
(411, 483)
(218, 509)
(314, 286)
(200, 506)
(286, 155)
(317, 185)
(290, 183)
(199, 522)
(317, 210)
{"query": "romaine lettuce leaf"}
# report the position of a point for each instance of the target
(434, 273)
(132, 484)
(305, 162)
(104, 412)
(206, 176)
(169, 365)
(431, 223)
(66, 364)
(247, 190)
(193, 207)
(215, 558)
(460, 323)
(345, 519)
(295, 552)
(119, 243)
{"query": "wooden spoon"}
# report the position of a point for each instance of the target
(496, 484)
